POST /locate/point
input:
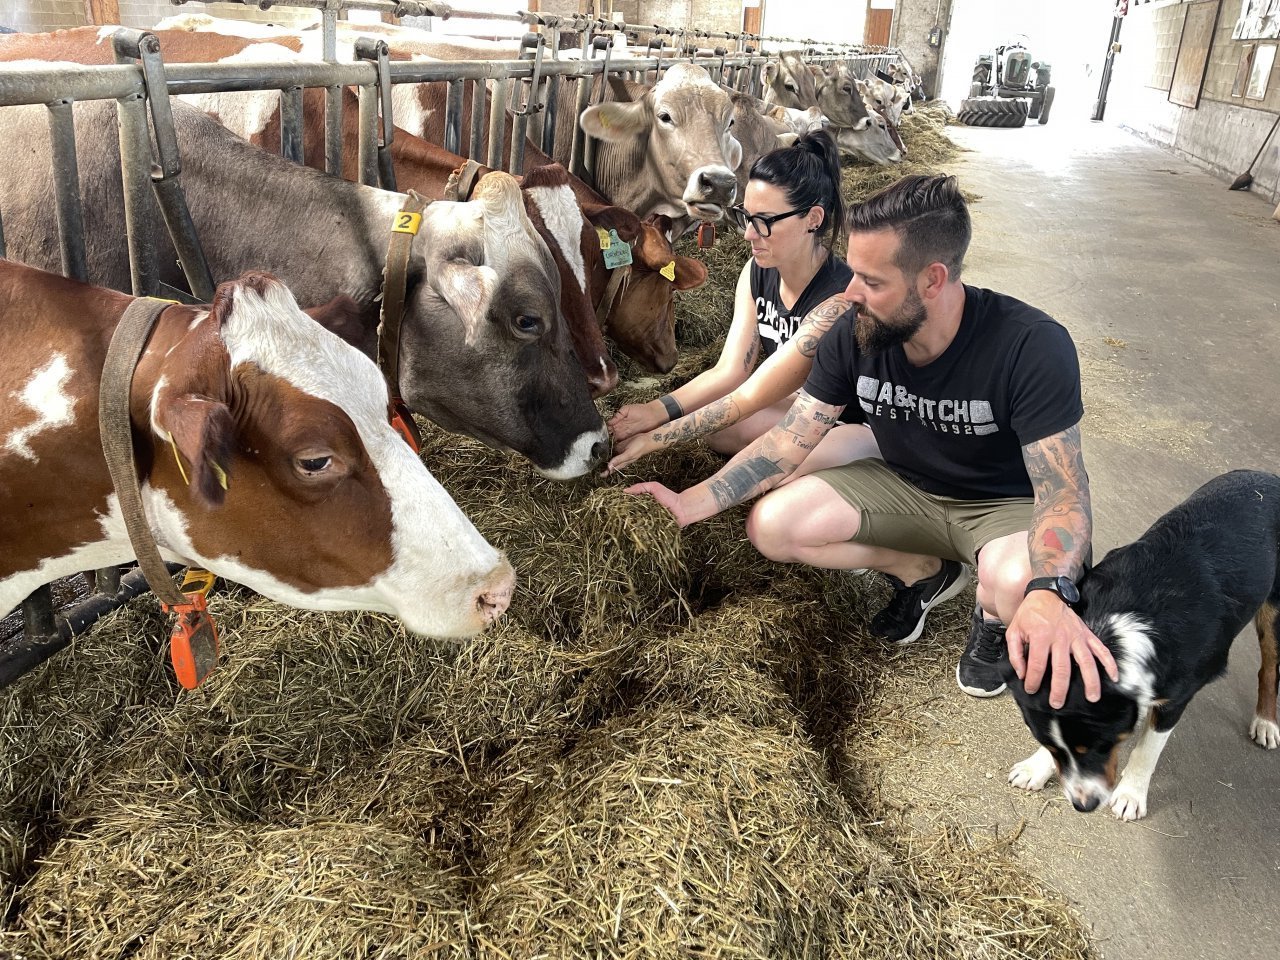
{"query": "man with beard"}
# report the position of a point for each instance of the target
(974, 401)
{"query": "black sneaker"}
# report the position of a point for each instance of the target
(976, 672)
(903, 619)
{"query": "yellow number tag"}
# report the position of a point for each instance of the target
(669, 271)
(406, 222)
(605, 240)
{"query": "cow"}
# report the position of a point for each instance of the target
(92, 45)
(665, 149)
(485, 350)
(789, 82)
(859, 131)
(887, 99)
(263, 454)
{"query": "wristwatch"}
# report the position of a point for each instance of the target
(1064, 587)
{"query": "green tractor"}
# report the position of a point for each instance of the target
(1008, 89)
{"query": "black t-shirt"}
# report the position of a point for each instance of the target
(776, 324)
(955, 427)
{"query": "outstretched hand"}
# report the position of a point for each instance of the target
(634, 418)
(1046, 632)
(668, 498)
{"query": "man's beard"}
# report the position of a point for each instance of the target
(875, 335)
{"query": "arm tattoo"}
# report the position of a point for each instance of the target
(1062, 519)
(741, 482)
(817, 322)
(714, 416)
(753, 351)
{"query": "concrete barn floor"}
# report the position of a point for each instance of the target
(1170, 285)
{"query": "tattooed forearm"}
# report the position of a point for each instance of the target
(743, 480)
(753, 351)
(714, 416)
(1062, 520)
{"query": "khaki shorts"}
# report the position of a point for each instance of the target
(897, 515)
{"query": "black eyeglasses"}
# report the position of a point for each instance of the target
(764, 224)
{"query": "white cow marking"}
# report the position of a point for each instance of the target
(46, 395)
(562, 215)
(407, 108)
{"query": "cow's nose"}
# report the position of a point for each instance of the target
(600, 451)
(495, 595)
(603, 381)
(716, 182)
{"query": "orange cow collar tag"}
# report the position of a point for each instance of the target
(193, 645)
(706, 234)
(402, 423)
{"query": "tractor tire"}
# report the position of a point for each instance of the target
(993, 112)
(1045, 104)
(975, 89)
(1033, 106)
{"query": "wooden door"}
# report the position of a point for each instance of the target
(876, 32)
(99, 12)
(751, 17)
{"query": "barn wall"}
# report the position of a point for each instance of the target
(1223, 132)
(912, 22)
(35, 16)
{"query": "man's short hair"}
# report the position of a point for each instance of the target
(929, 215)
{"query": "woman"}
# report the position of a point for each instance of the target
(788, 296)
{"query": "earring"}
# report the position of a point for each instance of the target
(812, 230)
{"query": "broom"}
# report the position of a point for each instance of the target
(1245, 179)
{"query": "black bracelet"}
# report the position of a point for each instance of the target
(674, 410)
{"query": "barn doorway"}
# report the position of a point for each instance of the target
(1072, 35)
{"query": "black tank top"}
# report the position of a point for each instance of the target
(776, 324)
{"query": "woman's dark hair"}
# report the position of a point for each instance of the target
(808, 172)
(928, 213)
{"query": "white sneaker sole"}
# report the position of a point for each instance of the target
(957, 585)
(978, 691)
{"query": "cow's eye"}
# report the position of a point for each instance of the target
(527, 323)
(730, 123)
(313, 466)
(665, 117)
(847, 89)
(790, 86)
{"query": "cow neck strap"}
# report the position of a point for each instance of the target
(619, 280)
(116, 428)
(395, 279)
(462, 181)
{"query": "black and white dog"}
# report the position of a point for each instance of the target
(1168, 606)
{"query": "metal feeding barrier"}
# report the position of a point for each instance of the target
(527, 89)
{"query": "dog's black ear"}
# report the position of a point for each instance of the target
(1005, 668)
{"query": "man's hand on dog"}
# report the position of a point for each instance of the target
(1046, 632)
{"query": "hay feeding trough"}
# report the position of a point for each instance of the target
(661, 751)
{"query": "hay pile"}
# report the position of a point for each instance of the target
(666, 749)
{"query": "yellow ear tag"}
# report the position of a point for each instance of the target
(605, 240)
(406, 222)
(669, 271)
(220, 474)
(177, 458)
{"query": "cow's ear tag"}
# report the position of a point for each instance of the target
(606, 241)
(669, 271)
(706, 235)
(618, 253)
(193, 645)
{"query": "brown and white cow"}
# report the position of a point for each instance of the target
(485, 348)
(324, 506)
(92, 45)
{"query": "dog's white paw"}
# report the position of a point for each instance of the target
(1034, 772)
(1265, 733)
(1129, 802)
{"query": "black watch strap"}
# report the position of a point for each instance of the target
(1064, 587)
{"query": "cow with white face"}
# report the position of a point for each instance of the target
(666, 149)
(263, 451)
(485, 349)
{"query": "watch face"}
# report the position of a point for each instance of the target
(1067, 590)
